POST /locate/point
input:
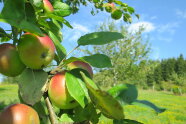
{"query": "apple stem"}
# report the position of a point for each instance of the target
(15, 33)
(59, 67)
(69, 54)
(52, 114)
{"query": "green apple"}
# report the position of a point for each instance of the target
(59, 94)
(116, 14)
(48, 6)
(82, 65)
(36, 52)
(10, 63)
(19, 114)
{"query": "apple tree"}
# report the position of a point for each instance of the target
(65, 93)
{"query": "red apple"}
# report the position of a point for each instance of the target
(109, 7)
(19, 114)
(10, 63)
(82, 65)
(59, 94)
(36, 52)
(48, 6)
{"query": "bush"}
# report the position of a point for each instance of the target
(177, 90)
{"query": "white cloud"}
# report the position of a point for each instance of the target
(75, 33)
(147, 25)
(180, 13)
(166, 39)
(80, 28)
(169, 27)
(153, 17)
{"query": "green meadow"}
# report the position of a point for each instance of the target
(175, 105)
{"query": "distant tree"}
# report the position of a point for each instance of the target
(180, 65)
(150, 79)
(126, 54)
(158, 74)
(164, 70)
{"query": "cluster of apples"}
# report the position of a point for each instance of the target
(32, 51)
(58, 94)
(116, 13)
(35, 52)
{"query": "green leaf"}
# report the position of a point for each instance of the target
(87, 113)
(55, 27)
(37, 3)
(24, 25)
(98, 60)
(145, 103)
(61, 51)
(61, 9)
(125, 93)
(30, 13)
(61, 19)
(4, 37)
(137, 15)
(99, 38)
(74, 88)
(14, 13)
(127, 17)
(66, 118)
(130, 10)
(29, 27)
(31, 83)
(126, 121)
(14, 10)
(2, 32)
(109, 106)
(89, 81)
(42, 111)
(118, 2)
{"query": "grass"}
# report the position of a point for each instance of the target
(175, 105)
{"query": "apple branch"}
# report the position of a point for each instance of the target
(52, 114)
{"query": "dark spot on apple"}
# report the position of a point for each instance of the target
(43, 55)
(72, 101)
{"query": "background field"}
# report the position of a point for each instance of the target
(175, 113)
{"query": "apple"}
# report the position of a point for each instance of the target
(59, 94)
(48, 6)
(19, 114)
(116, 14)
(109, 7)
(36, 52)
(10, 63)
(82, 65)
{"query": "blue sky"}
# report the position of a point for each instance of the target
(164, 21)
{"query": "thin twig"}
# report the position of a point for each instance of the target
(59, 67)
(52, 114)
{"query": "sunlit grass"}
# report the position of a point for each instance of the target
(175, 105)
